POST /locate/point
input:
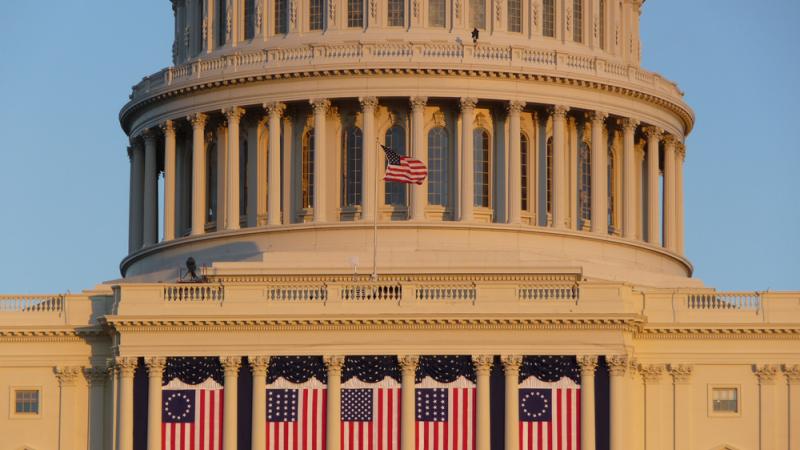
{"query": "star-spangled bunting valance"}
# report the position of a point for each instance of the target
(550, 368)
(193, 370)
(371, 369)
(297, 369)
(445, 369)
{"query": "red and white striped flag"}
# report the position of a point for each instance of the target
(549, 415)
(445, 415)
(192, 415)
(296, 415)
(371, 415)
(403, 169)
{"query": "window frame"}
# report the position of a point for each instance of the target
(212, 177)
(392, 189)
(12, 402)
(445, 172)
(585, 182)
(577, 21)
(222, 23)
(355, 16)
(724, 414)
(352, 167)
(307, 149)
(281, 17)
(249, 21)
(525, 168)
(391, 6)
(485, 183)
(601, 32)
(549, 18)
(316, 25)
(443, 11)
(477, 10)
(516, 21)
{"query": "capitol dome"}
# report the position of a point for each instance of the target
(549, 148)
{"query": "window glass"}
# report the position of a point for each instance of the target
(352, 172)
(577, 20)
(611, 181)
(211, 182)
(436, 13)
(523, 153)
(222, 22)
(281, 17)
(549, 18)
(585, 179)
(396, 13)
(395, 139)
(477, 14)
(602, 24)
(438, 167)
(355, 13)
(26, 401)
(480, 145)
(307, 184)
(315, 15)
(249, 19)
(549, 175)
(515, 16)
(725, 400)
(243, 154)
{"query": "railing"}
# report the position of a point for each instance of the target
(297, 293)
(193, 293)
(372, 292)
(724, 301)
(452, 292)
(31, 303)
(549, 292)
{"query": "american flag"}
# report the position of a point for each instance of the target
(370, 415)
(192, 415)
(296, 415)
(403, 169)
(549, 415)
(445, 415)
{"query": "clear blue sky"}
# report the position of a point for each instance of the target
(68, 67)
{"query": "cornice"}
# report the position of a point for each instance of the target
(708, 331)
(49, 334)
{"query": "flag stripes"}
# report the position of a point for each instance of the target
(561, 429)
(382, 431)
(201, 428)
(403, 169)
(455, 429)
(304, 426)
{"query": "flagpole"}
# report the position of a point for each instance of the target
(375, 219)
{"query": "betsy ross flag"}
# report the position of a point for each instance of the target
(296, 415)
(370, 415)
(445, 415)
(403, 169)
(191, 416)
(549, 415)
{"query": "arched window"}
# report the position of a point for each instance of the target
(577, 20)
(515, 16)
(396, 13)
(307, 169)
(438, 167)
(351, 182)
(249, 19)
(480, 147)
(477, 14)
(355, 13)
(611, 183)
(281, 16)
(315, 14)
(222, 22)
(243, 164)
(436, 13)
(211, 182)
(549, 18)
(549, 176)
(585, 179)
(524, 167)
(395, 139)
(602, 24)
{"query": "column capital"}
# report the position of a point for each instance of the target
(95, 375)
(597, 117)
(467, 103)
(628, 124)
(511, 363)
(652, 133)
(274, 108)
(67, 375)
(617, 364)
(233, 113)
(670, 140)
(230, 363)
(125, 365)
(368, 102)
(680, 147)
(259, 364)
(320, 105)
(515, 106)
(197, 120)
(156, 365)
(168, 127)
(149, 135)
(418, 102)
(334, 363)
(587, 363)
(559, 111)
(408, 362)
(680, 373)
(765, 373)
(792, 373)
(482, 363)
(651, 373)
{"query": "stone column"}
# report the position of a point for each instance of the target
(136, 196)
(793, 378)
(368, 159)
(258, 366)
(483, 369)
(559, 199)
(681, 156)
(599, 157)
(682, 394)
(334, 363)
(511, 364)
(198, 122)
(588, 366)
(653, 223)
(617, 365)
(275, 111)
(514, 177)
(67, 379)
(419, 194)
(125, 366)
(653, 433)
(766, 400)
(169, 179)
(155, 369)
(231, 366)
(96, 379)
(669, 193)
(629, 207)
(408, 366)
(232, 216)
(467, 157)
(320, 184)
(150, 216)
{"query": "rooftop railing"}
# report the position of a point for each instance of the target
(31, 303)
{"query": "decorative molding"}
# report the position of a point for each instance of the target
(334, 364)
(587, 363)
(680, 373)
(515, 106)
(332, 10)
(511, 364)
(617, 364)
(95, 375)
(368, 103)
(373, 9)
(416, 8)
(125, 365)
(230, 364)
(408, 362)
(498, 12)
(457, 7)
(233, 114)
(467, 103)
(198, 120)
(320, 105)
(598, 117)
(651, 373)
(628, 124)
(652, 133)
(439, 119)
(418, 102)
(559, 111)
(765, 373)
(792, 373)
(168, 128)
(259, 11)
(67, 375)
(275, 108)
(259, 364)
(707, 331)
(155, 365)
(482, 364)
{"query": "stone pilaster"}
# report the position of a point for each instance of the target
(792, 373)
(514, 177)
(599, 158)
(259, 365)
(511, 365)
(170, 164)
(136, 212)
(651, 374)
(560, 189)
(67, 381)
(630, 209)
(467, 159)
(419, 194)
(321, 107)
(274, 111)
(653, 223)
(681, 377)
(334, 363)
(125, 367)
(155, 369)
(231, 365)
(369, 159)
(150, 214)
(766, 375)
(588, 365)
(617, 366)
(232, 216)
(483, 369)
(198, 122)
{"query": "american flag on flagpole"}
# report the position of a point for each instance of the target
(296, 415)
(445, 415)
(549, 415)
(370, 415)
(192, 415)
(403, 169)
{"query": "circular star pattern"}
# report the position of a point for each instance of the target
(178, 406)
(535, 405)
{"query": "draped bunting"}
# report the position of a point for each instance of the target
(371, 369)
(445, 369)
(193, 370)
(550, 368)
(297, 369)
